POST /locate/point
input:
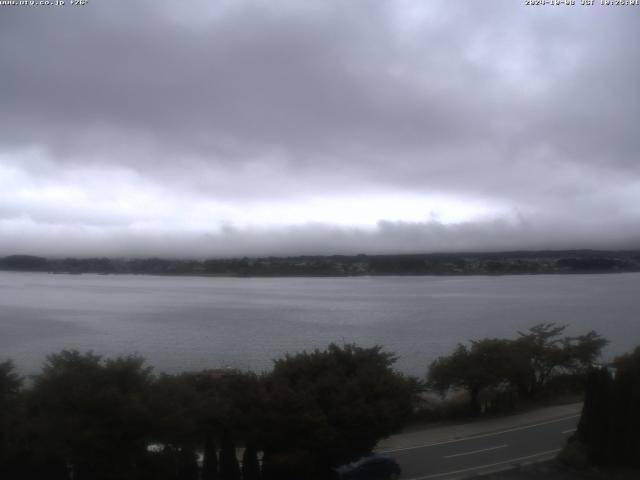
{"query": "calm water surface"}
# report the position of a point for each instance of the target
(181, 323)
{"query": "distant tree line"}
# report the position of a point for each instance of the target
(88, 418)
(571, 261)
(522, 368)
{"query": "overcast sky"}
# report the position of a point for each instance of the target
(214, 128)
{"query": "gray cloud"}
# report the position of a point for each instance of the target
(122, 122)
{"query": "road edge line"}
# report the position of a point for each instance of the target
(482, 435)
(479, 468)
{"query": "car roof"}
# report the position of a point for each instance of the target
(372, 459)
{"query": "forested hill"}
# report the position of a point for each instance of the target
(502, 263)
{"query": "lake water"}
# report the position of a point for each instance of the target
(182, 323)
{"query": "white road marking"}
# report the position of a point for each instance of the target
(571, 430)
(484, 435)
(482, 467)
(475, 451)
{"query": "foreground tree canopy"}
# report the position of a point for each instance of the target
(524, 365)
(336, 403)
(85, 417)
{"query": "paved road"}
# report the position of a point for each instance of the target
(484, 453)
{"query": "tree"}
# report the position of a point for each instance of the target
(593, 427)
(175, 428)
(526, 363)
(187, 463)
(210, 459)
(229, 402)
(250, 464)
(10, 381)
(173, 404)
(92, 414)
(330, 406)
(610, 420)
(625, 411)
(487, 363)
(545, 353)
(10, 424)
(229, 468)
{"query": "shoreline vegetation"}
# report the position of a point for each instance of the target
(88, 417)
(473, 263)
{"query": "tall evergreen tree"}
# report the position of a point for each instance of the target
(229, 468)
(250, 464)
(610, 420)
(187, 463)
(595, 421)
(10, 384)
(210, 460)
(625, 410)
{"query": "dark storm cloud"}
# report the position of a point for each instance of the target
(122, 121)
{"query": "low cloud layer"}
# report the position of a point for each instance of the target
(262, 127)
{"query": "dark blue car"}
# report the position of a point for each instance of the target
(374, 467)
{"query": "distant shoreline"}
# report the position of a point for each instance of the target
(327, 266)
